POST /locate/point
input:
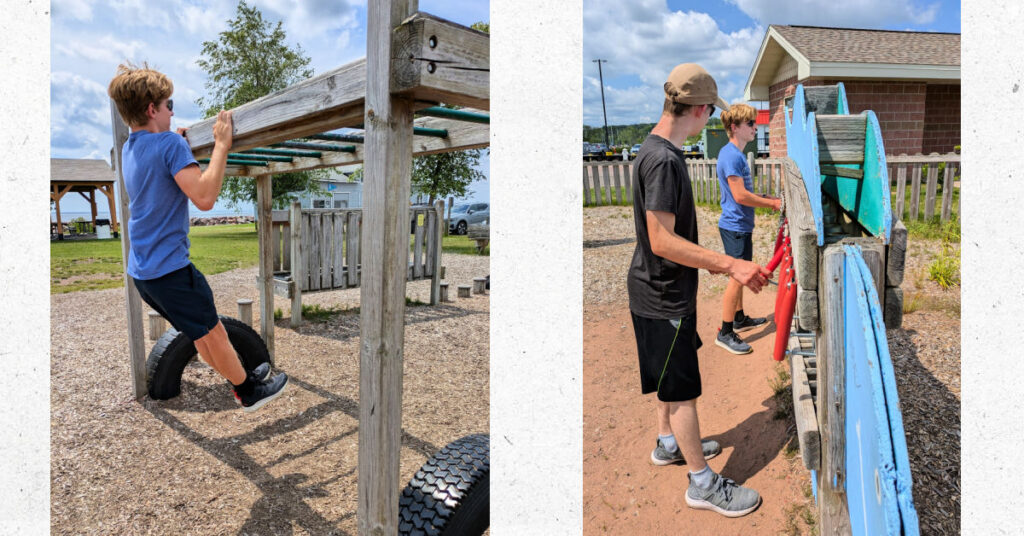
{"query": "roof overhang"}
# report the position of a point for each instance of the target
(775, 48)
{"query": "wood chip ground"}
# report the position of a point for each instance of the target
(198, 465)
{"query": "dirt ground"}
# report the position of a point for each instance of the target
(197, 464)
(624, 493)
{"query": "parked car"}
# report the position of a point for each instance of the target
(634, 150)
(464, 215)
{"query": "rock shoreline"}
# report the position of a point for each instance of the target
(220, 220)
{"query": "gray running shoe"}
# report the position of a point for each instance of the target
(261, 372)
(748, 322)
(732, 342)
(724, 497)
(661, 456)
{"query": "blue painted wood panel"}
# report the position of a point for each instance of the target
(866, 199)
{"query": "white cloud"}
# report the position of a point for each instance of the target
(849, 14)
(79, 116)
(76, 9)
(104, 48)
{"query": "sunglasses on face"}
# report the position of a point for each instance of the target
(750, 123)
(712, 108)
(170, 105)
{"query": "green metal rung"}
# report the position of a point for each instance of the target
(285, 152)
(243, 156)
(315, 146)
(238, 162)
(459, 115)
(337, 137)
(424, 131)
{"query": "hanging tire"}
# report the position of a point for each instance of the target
(174, 350)
(451, 493)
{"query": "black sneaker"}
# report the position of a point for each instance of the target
(733, 343)
(261, 372)
(748, 322)
(263, 392)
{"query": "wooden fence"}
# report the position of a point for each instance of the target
(611, 183)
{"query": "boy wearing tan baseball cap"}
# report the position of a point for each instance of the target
(662, 285)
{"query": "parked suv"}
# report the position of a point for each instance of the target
(464, 215)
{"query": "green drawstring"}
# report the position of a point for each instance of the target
(665, 367)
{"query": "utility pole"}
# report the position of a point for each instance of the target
(603, 110)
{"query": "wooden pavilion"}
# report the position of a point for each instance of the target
(414, 63)
(85, 177)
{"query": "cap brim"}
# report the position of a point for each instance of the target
(720, 103)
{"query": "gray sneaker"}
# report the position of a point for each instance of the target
(732, 342)
(724, 497)
(748, 322)
(661, 456)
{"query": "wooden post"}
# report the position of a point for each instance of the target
(929, 200)
(901, 188)
(444, 292)
(298, 267)
(947, 191)
(586, 187)
(133, 303)
(266, 257)
(245, 311)
(479, 285)
(385, 249)
(157, 325)
(435, 237)
(915, 191)
(464, 291)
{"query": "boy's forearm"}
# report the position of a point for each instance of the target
(212, 177)
(681, 251)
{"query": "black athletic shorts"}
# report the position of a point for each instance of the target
(184, 298)
(668, 357)
(737, 245)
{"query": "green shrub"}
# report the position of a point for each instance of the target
(946, 269)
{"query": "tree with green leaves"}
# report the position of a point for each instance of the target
(249, 60)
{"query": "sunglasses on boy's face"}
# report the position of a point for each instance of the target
(170, 105)
(749, 123)
(712, 108)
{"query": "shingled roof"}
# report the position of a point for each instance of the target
(80, 170)
(873, 46)
(807, 52)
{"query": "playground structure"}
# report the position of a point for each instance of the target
(414, 62)
(842, 255)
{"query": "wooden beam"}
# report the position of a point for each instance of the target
(803, 410)
(438, 60)
(326, 102)
(436, 245)
(295, 229)
(133, 302)
(266, 257)
(802, 233)
(841, 138)
(385, 250)
(837, 171)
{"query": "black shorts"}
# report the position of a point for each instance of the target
(184, 298)
(737, 245)
(668, 357)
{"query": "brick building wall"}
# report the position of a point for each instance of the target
(914, 117)
(942, 119)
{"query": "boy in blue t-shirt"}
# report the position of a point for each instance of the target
(161, 177)
(736, 225)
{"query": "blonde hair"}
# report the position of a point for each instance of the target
(736, 115)
(675, 109)
(133, 88)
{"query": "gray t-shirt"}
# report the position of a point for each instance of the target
(659, 288)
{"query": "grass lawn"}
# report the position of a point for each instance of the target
(96, 264)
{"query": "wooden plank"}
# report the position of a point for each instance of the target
(385, 247)
(919, 158)
(901, 190)
(841, 138)
(803, 411)
(836, 171)
(586, 188)
(441, 62)
(417, 247)
(618, 184)
(313, 266)
(275, 246)
(873, 253)
(606, 181)
(627, 182)
(821, 99)
(915, 191)
(307, 251)
(133, 302)
(286, 247)
(296, 252)
(929, 200)
(753, 172)
(338, 243)
(947, 191)
(352, 247)
(802, 232)
(892, 310)
(895, 254)
(835, 517)
(435, 255)
(326, 249)
(428, 240)
(266, 277)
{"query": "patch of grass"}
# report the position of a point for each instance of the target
(781, 385)
(911, 301)
(945, 270)
(96, 264)
(462, 245)
(800, 519)
(934, 229)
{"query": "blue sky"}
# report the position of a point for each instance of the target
(643, 40)
(89, 38)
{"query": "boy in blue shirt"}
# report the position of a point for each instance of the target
(736, 224)
(161, 177)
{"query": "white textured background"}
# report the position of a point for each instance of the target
(24, 271)
(536, 267)
(992, 253)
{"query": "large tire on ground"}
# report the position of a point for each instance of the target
(451, 494)
(174, 350)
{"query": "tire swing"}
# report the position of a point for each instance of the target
(173, 351)
(450, 495)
